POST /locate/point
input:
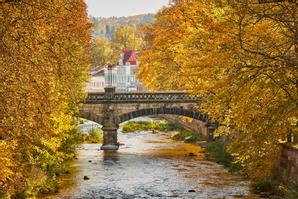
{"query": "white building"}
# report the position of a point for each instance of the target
(123, 76)
(97, 81)
(126, 73)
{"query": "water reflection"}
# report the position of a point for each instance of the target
(149, 166)
(110, 156)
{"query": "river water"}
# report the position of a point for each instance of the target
(148, 166)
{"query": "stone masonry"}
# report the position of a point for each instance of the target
(111, 108)
(288, 168)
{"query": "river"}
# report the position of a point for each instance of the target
(148, 166)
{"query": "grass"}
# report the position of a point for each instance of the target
(160, 125)
(265, 185)
(271, 186)
(287, 192)
(179, 134)
(94, 136)
(187, 136)
(217, 151)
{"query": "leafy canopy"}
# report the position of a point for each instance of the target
(240, 56)
(43, 68)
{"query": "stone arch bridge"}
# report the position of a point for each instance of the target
(110, 108)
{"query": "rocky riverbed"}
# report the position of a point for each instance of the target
(148, 166)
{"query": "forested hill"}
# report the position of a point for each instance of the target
(106, 26)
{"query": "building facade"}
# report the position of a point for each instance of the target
(97, 81)
(123, 76)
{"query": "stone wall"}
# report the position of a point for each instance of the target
(288, 168)
(195, 125)
(96, 112)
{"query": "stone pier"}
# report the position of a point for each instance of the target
(111, 108)
(110, 141)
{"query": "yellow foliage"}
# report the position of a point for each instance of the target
(102, 52)
(186, 119)
(126, 37)
(43, 67)
(241, 57)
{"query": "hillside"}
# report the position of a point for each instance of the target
(105, 27)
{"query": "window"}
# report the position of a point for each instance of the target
(132, 78)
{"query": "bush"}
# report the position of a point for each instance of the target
(133, 126)
(68, 146)
(289, 192)
(163, 125)
(260, 186)
(218, 153)
(160, 125)
(94, 136)
(172, 126)
(187, 136)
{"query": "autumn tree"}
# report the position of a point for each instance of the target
(43, 66)
(241, 57)
(101, 52)
(126, 37)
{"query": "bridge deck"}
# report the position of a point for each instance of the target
(138, 97)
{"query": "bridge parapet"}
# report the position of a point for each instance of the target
(147, 97)
(111, 108)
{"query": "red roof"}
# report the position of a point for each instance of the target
(130, 56)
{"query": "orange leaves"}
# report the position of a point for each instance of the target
(239, 56)
(43, 63)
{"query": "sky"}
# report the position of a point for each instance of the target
(119, 8)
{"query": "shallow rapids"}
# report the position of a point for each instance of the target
(148, 166)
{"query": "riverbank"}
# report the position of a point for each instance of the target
(175, 130)
(149, 166)
(64, 168)
(215, 151)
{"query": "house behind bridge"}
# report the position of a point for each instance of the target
(124, 75)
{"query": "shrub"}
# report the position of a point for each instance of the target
(163, 125)
(289, 192)
(94, 136)
(218, 153)
(68, 146)
(260, 186)
(187, 136)
(160, 125)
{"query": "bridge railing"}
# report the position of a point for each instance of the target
(141, 97)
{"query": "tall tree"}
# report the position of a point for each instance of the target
(126, 38)
(101, 52)
(241, 57)
(43, 66)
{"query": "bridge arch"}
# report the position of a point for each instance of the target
(157, 111)
(111, 108)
